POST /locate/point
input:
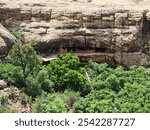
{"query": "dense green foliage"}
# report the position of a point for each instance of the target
(116, 90)
(56, 102)
(96, 101)
(64, 86)
(26, 58)
(104, 76)
(25, 63)
(12, 74)
(66, 73)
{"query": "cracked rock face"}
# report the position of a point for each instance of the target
(6, 40)
(99, 30)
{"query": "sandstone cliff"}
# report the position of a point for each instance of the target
(101, 31)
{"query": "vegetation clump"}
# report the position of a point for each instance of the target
(64, 86)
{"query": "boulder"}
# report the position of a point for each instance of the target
(3, 46)
(6, 40)
(3, 84)
(7, 36)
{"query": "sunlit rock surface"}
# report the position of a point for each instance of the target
(110, 30)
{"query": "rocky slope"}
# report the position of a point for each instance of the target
(102, 31)
(15, 101)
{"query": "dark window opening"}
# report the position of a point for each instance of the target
(100, 49)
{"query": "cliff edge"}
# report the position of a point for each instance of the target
(112, 31)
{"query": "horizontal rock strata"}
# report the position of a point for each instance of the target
(83, 27)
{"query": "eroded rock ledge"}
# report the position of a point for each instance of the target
(118, 35)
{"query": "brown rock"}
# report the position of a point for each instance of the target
(7, 36)
(3, 84)
(6, 40)
(110, 28)
(3, 46)
(130, 59)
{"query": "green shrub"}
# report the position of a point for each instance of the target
(12, 74)
(44, 80)
(133, 98)
(95, 69)
(74, 80)
(3, 101)
(7, 109)
(25, 57)
(33, 88)
(56, 102)
(102, 76)
(69, 97)
(49, 103)
(98, 101)
(66, 73)
(16, 32)
(25, 99)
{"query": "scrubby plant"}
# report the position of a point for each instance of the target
(70, 97)
(16, 32)
(3, 100)
(25, 57)
(129, 90)
(33, 88)
(133, 98)
(4, 106)
(56, 102)
(49, 103)
(26, 100)
(44, 80)
(98, 101)
(11, 74)
(66, 73)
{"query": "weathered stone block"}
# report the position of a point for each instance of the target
(26, 13)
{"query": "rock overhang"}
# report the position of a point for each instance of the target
(93, 27)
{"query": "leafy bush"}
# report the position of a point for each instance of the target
(96, 101)
(95, 69)
(25, 57)
(66, 73)
(49, 103)
(133, 98)
(33, 89)
(69, 97)
(12, 74)
(56, 102)
(116, 90)
(74, 80)
(102, 76)
(44, 80)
